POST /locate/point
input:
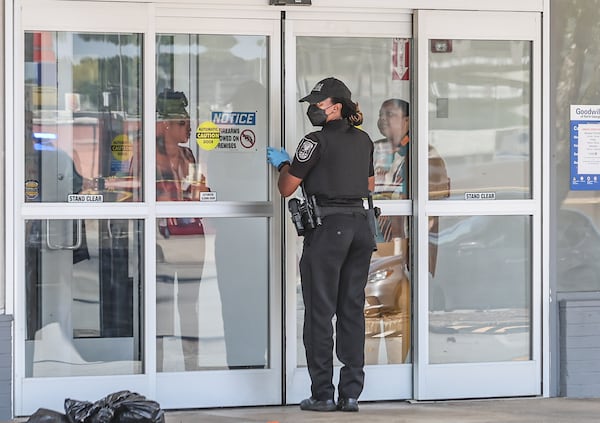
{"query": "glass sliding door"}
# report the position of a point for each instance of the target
(196, 281)
(83, 302)
(479, 303)
(375, 64)
(83, 278)
(217, 312)
(81, 266)
(146, 234)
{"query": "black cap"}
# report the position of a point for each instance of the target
(328, 87)
(172, 105)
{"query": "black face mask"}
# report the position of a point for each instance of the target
(317, 116)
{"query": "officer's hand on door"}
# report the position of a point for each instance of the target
(278, 157)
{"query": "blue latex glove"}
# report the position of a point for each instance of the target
(278, 157)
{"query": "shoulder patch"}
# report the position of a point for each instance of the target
(305, 149)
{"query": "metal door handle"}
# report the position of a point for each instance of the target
(78, 238)
(119, 233)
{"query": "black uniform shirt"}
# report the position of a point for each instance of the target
(335, 163)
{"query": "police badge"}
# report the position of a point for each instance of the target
(305, 149)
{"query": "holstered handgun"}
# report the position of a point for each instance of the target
(306, 213)
(372, 214)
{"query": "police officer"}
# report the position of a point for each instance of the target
(335, 165)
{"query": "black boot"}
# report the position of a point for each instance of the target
(313, 404)
(347, 404)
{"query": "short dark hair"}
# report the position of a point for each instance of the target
(401, 104)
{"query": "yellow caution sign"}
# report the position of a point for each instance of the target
(208, 135)
(32, 189)
(121, 148)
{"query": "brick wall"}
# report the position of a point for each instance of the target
(5, 367)
(579, 348)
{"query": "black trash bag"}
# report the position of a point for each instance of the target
(118, 407)
(79, 411)
(44, 415)
(142, 411)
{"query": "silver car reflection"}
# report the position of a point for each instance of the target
(484, 262)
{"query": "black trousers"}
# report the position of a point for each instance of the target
(334, 268)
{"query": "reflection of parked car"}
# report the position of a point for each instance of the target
(578, 252)
(484, 263)
(387, 287)
(387, 308)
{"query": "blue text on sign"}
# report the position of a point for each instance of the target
(234, 118)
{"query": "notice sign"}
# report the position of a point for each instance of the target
(585, 147)
(237, 130)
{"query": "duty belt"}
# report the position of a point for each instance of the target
(330, 210)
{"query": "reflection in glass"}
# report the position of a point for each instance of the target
(212, 296)
(212, 279)
(481, 124)
(387, 305)
(180, 256)
(83, 107)
(365, 65)
(223, 79)
(178, 176)
(83, 297)
(388, 299)
(578, 243)
(391, 161)
(391, 153)
(577, 212)
(480, 295)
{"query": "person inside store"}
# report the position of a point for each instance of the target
(391, 152)
(180, 241)
(335, 167)
(391, 159)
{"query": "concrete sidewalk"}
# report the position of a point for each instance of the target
(521, 410)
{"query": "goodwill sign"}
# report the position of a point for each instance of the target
(585, 147)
